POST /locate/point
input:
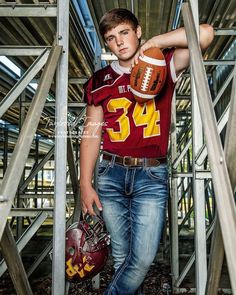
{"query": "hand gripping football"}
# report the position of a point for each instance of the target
(148, 76)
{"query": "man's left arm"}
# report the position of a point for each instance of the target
(181, 54)
(177, 38)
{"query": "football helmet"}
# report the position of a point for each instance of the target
(86, 248)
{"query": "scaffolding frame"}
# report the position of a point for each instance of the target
(52, 58)
(200, 177)
(15, 169)
(219, 176)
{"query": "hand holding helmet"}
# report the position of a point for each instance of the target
(86, 248)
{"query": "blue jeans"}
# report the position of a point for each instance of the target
(134, 206)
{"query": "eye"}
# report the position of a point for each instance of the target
(109, 39)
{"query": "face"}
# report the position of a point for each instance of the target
(123, 41)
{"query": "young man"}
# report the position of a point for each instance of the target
(132, 177)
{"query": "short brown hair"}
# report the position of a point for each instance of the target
(117, 16)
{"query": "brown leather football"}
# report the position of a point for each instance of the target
(148, 76)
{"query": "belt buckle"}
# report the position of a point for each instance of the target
(133, 161)
(124, 160)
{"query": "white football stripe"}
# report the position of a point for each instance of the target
(141, 95)
(153, 61)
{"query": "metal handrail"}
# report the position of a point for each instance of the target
(223, 190)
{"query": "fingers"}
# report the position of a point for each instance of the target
(135, 60)
(139, 53)
(98, 204)
(84, 209)
(91, 211)
(88, 208)
(87, 205)
(150, 43)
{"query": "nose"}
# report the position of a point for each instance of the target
(119, 41)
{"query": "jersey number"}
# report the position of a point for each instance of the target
(144, 115)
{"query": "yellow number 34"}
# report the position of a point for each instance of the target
(144, 115)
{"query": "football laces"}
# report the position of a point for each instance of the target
(146, 78)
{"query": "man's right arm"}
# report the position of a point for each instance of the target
(89, 151)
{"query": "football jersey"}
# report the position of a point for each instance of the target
(130, 128)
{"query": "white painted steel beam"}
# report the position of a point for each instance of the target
(59, 225)
(6, 50)
(28, 10)
(225, 32)
(221, 181)
(174, 234)
(217, 249)
(27, 235)
(14, 263)
(198, 184)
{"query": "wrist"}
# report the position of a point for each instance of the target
(156, 42)
(85, 184)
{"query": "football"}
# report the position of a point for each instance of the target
(148, 76)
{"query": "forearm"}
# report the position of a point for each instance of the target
(178, 39)
(90, 144)
(89, 150)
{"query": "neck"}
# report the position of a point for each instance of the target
(125, 65)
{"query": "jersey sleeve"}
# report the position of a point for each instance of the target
(169, 57)
(99, 86)
(168, 54)
(88, 96)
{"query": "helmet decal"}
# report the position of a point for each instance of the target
(80, 269)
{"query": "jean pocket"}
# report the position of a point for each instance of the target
(159, 173)
(103, 168)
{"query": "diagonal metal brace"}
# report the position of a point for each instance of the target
(220, 176)
(17, 89)
(19, 157)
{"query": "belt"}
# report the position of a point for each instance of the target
(130, 161)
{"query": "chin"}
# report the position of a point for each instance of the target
(127, 57)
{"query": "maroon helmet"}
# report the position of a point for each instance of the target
(86, 248)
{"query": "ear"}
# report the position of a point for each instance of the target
(139, 32)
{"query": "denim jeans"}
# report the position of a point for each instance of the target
(134, 205)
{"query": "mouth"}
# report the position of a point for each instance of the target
(123, 50)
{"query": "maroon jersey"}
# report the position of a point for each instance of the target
(132, 129)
